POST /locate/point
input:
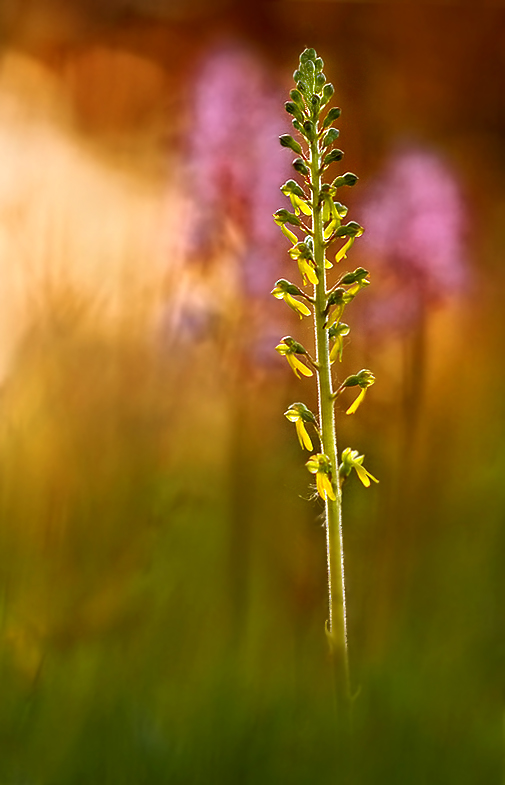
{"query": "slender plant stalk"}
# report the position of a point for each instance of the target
(327, 306)
(336, 627)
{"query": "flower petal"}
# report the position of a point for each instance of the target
(300, 308)
(303, 436)
(300, 204)
(288, 233)
(362, 474)
(320, 485)
(301, 366)
(352, 408)
(297, 365)
(336, 349)
(342, 254)
(328, 487)
(307, 271)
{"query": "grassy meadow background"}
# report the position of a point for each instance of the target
(162, 560)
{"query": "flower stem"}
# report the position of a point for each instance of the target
(336, 627)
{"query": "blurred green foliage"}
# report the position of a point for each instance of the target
(162, 577)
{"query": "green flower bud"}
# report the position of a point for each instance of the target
(319, 63)
(292, 187)
(330, 136)
(308, 55)
(291, 108)
(300, 167)
(345, 179)
(308, 129)
(308, 69)
(327, 94)
(297, 97)
(363, 379)
(357, 276)
(299, 410)
(351, 381)
(320, 81)
(297, 76)
(295, 347)
(287, 141)
(283, 216)
(332, 115)
(352, 229)
(287, 287)
(334, 155)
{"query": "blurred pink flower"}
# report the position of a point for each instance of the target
(414, 217)
(236, 163)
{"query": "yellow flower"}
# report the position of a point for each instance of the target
(356, 403)
(338, 331)
(319, 465)
(300, 308)
(297, 366)
(363, 379)
(289, 348)
(303, 253)
(352, 460)
(307, 271)
(284, 290)
(300, 414)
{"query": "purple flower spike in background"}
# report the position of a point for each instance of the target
(235, 162)
(234, 167)
(415, 218)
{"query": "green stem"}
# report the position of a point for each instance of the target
(336, 628)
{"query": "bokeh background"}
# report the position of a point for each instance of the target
(162, 568)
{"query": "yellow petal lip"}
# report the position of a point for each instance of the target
(300, 308)
(307, 271)
(342, 254)
(300, 204)
(362, 474)
(328, 487)
(353, 407)
(329, 229)
(288, 233)
(336, 350)
(324, 486)
(335, 316)
(303, 436)
(320, 486)
(297, 366)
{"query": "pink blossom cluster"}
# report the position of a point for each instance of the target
(415, 220)
(236, 163)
